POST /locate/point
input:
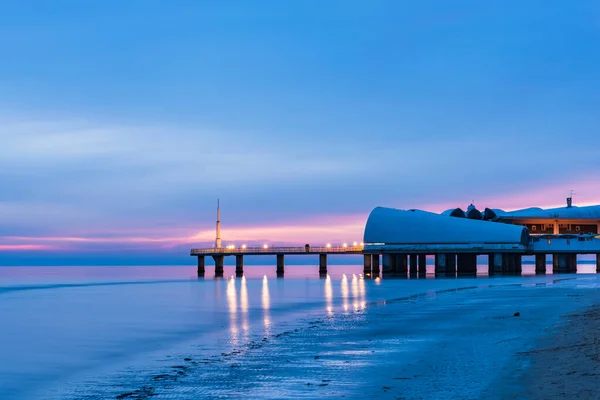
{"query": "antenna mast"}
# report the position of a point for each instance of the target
(218, 239)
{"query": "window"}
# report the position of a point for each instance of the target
(578, 228)
(534, 228)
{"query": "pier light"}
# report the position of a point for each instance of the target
(362, 244)
(354, 244)
(345, 245)
(265, 246)
(328, 245)
(243, 246)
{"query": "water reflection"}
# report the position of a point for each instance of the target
(362, 292)
(266, 304)
(355, 299)
(329, 295)
(244, 307)
(232, 304)
(345, 292)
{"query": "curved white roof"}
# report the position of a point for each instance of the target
(392, 226)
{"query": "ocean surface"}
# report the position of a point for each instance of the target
(161, 332)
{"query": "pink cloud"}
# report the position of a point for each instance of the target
(23, 247)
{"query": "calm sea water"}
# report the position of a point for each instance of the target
(98, 332)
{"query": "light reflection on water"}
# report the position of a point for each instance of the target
(344, 289)
(266, 304)
(244, 308)
(232, 304)
(329, 295)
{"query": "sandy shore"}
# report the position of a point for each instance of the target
(566, 365)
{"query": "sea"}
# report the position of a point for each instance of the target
(161, 332)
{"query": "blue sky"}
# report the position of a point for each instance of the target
(121, 122)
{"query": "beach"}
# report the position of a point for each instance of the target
(260, 337)
(565, 365)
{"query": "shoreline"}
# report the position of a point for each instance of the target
(565, 365)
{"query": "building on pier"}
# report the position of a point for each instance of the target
(562, 220)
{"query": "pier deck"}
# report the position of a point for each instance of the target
(256, 251)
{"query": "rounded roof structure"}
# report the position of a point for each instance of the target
(400, 227)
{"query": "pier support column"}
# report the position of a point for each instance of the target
(450, 264)
(598, 262)
(322, 264)
(440, 264)
(280, 263)
(375, 261)
(467, 264)
(511, 264)
(422, 264)
(388, 263)
(239, 265)
(573, 263)
(413, 264)
(494, 263)
(401, 264)
(367, 265)
(219, 261)
(540, 263)
(200, 265)
(564, 263)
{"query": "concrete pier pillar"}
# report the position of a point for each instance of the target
(450, 264)
(495, 263)
(219, 261)
(467, 264)
(598, 262)
(440, 264)
(518, 264)
(388, 262)
(200, 265)
(375, 262)
(401, 264)
(540, 263)
(367, 265)
(422, 264)
(564, 263)
(239, 265)
(573, 263)
(413, 264)
(322, 264)
(280, 263)
(511, 264)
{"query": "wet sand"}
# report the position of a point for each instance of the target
(566, 365)
(459, 340)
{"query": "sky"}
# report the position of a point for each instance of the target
(122, 122)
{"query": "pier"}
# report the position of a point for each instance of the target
(412, 261)
(397, 243)
(219, 254)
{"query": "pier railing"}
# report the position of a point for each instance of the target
(281, 250)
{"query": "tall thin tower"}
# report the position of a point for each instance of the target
(218, 240)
